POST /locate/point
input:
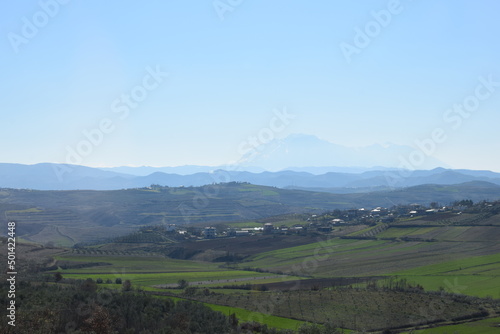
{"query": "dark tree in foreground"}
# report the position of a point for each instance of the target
(58, 277)
(182, 284)
(127, 285)
(79, 308)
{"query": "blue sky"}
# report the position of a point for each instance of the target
(231, 64)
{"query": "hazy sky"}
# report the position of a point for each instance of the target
(354, 73)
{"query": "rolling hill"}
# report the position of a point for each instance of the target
(68, 217)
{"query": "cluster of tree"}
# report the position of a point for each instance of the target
(81, 307)
(485, 207)
(464, 202)
(395, 284)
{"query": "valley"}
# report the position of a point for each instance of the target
(407, 275)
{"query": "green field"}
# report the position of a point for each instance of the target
(475, 276)
(466, 265)
(487, 326)
(394, 232)
(249, 316)
(244, 315)
(318, 250)
(335, 257)
(137, 264)
(30, 210)
(253, 281)
(444, 233)
(170, 278)
(149, 271)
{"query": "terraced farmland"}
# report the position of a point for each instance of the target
(156, 271)
(351, 257)
(445, 233)
(79, 216)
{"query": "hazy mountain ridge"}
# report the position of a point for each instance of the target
(68, 177)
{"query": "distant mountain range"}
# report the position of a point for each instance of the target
(298, 152)
(301, 150)
(70, 177)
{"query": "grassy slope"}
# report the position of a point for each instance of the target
(141, 279)
(476, 276)
(139, 264)
(458, 262)
(348, 257)
(248, 316)
(149, 271)
(487, 326)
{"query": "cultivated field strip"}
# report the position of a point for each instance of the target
(352, 308)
